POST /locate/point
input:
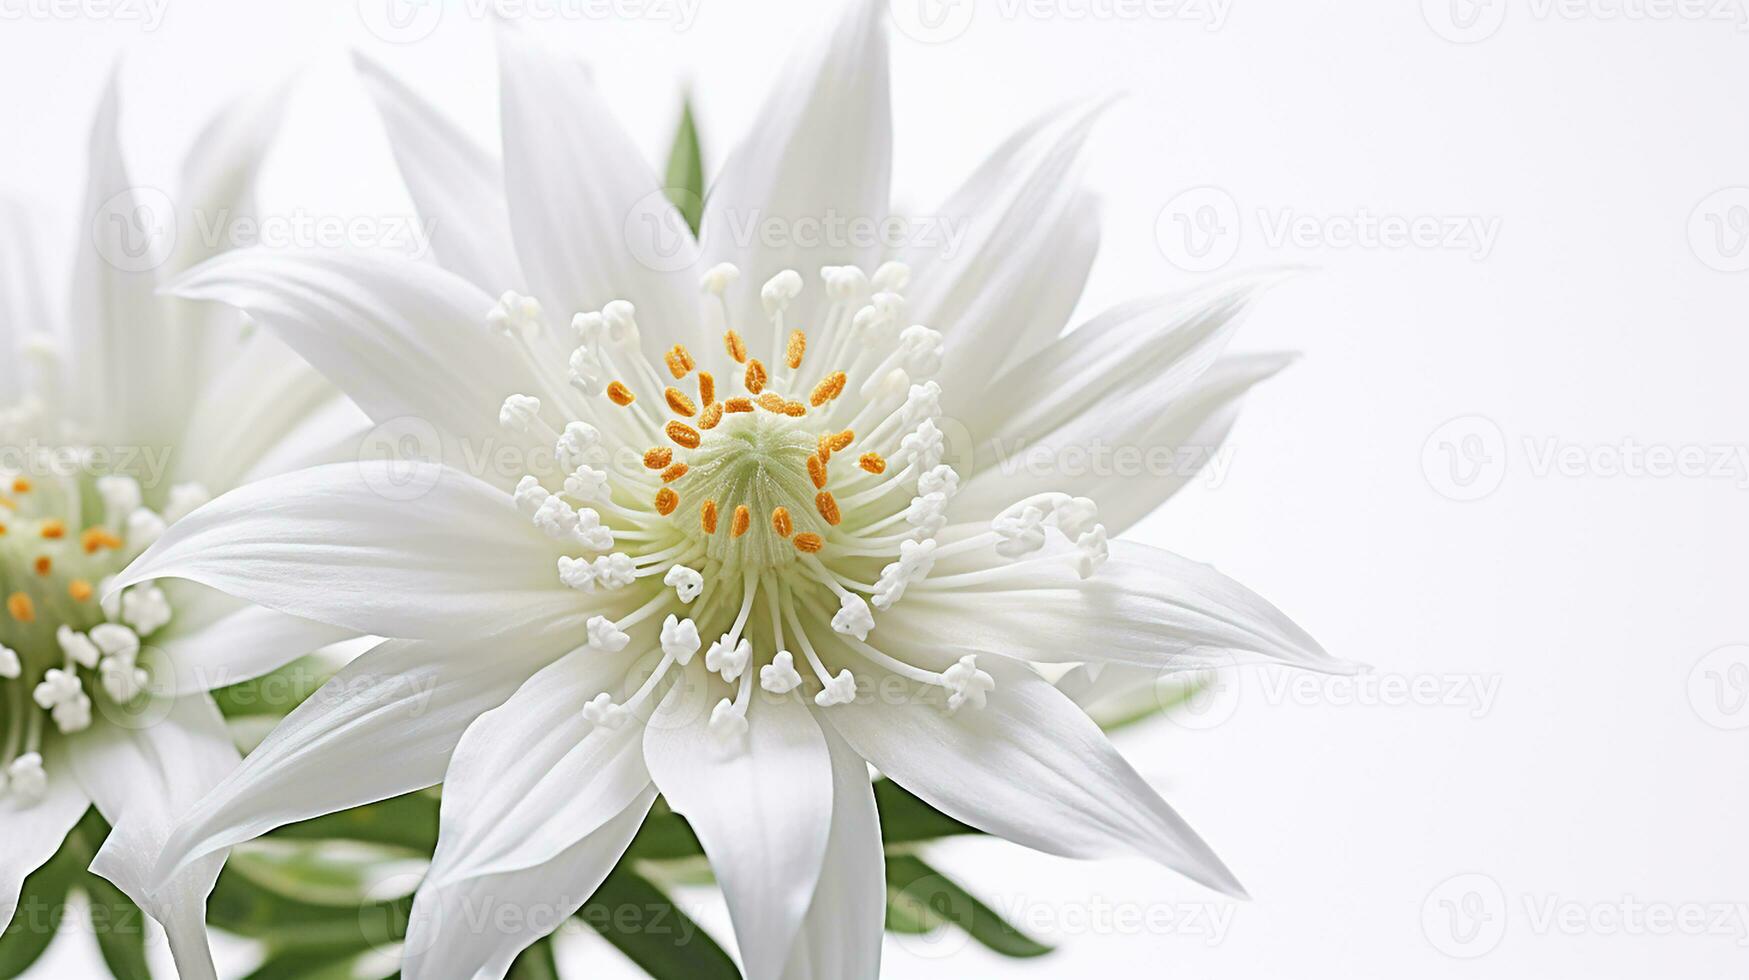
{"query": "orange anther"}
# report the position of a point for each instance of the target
(678, 360)
(678, 401)
(666, 501)
(817, 471)
(658, 458)
(795, 409)
(742, 521)
(21, 485)
(707, 517)
(674, 472)
(755, 377)
(733, 344)
(781, 523)
(619, 394)
(771, 401)
(713, 413)
(95, 539)
(809, 543)
(738, 405)
(43, 565)
(828, 507)
(683, 435)
(830, 387)
(841, 440)
(873, 463)
(54, 529)
(21, 608)
(79, 589)
(798, 345)
(707, 388)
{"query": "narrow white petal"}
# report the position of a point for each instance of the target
(476, 927)
(456, 186)
(762, 810)
(384, 725)
(142, 780)
(325, 544)
(241, 646)
(33, 831)
(591, 221)
(1029, 766)
(841, 937)
(23, 307)
(532, 776)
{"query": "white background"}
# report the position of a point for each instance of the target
(1583, 599)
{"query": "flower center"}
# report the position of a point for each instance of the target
(753, 468)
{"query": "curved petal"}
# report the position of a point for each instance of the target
(400, 338)
(762, 811)
(476, 927)
(241, 646)
(142, 780)
(33, 831)
(819, 151)
(220, 171)
(456, 186)
(1124, 362)
(23, 307)
(531, 777)
(1029, 766)
(591, 220)
(1144, 606)
(841, 937)
(1003, 284)
(384, 725)
(1130, 459)
(326, 544)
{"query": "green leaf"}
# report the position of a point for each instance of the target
(331, 872)
(926, 892)
(535, 963)
(408, 821)
(241, 906)
(906, 819)
(120, 926)
(275, 693)
(685, 181)
(41, 904)
(652, 932)
(326, 966)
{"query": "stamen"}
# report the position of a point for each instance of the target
(755, 377)
(738, 405)
(828, 507)
(678, 401)
(780, 522)
(842, 440)
(817, 471)
(707, 517)
(20, 485)
(683, 435)
(713, 413)
(809, 542)
(666, 501)
(743, 520)
(54, 529)
(829, 388)
(79, 589)
(707, 388)
(736, 347)
(674, 472)
(798, 345)
(795, 410)
(619, 394)
(43, 565)
(658, 458)
(873, 463)
(772, 402)
(679, 361)
(96, 539)
(21, 607)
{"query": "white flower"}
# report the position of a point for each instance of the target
(125, 367)
(781, 449)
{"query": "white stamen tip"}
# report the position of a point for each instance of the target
(939, 479)
(892, 277)
(727, 722)
(780, 676)
(515, 314)
(717, 278)
(10, 665)
(1022, 532)
(853, 617)
(122, 679)
(780, 290)
(600, 710)
(115, 640)
(680, 639)
(1093, 549)
(530, 495)
(686, 582)
(924, 446)
(1076, 516)
(838, 690)
(728, 660)
(589, 485)
(121, 496)
(968, 684)
(145, 608)
(519, 412)
(27, 778)
(576, 444)
(916, 558)
(604, 636)
(77, 646)
(144, 527)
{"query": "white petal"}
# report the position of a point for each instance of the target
(820, 148)
(401, 338)
(243, 645)
(23, 310)
(591, 221)
(33, 831)
(1029, 766)
(220, 171)
(1144, 606)
(325, 544)
(384, 725)
(841, 937)
(1023, 239)
(1129, 360)
(456, 186)
(475, 928)
(142, 780)
(762, 810)
(532, 777)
